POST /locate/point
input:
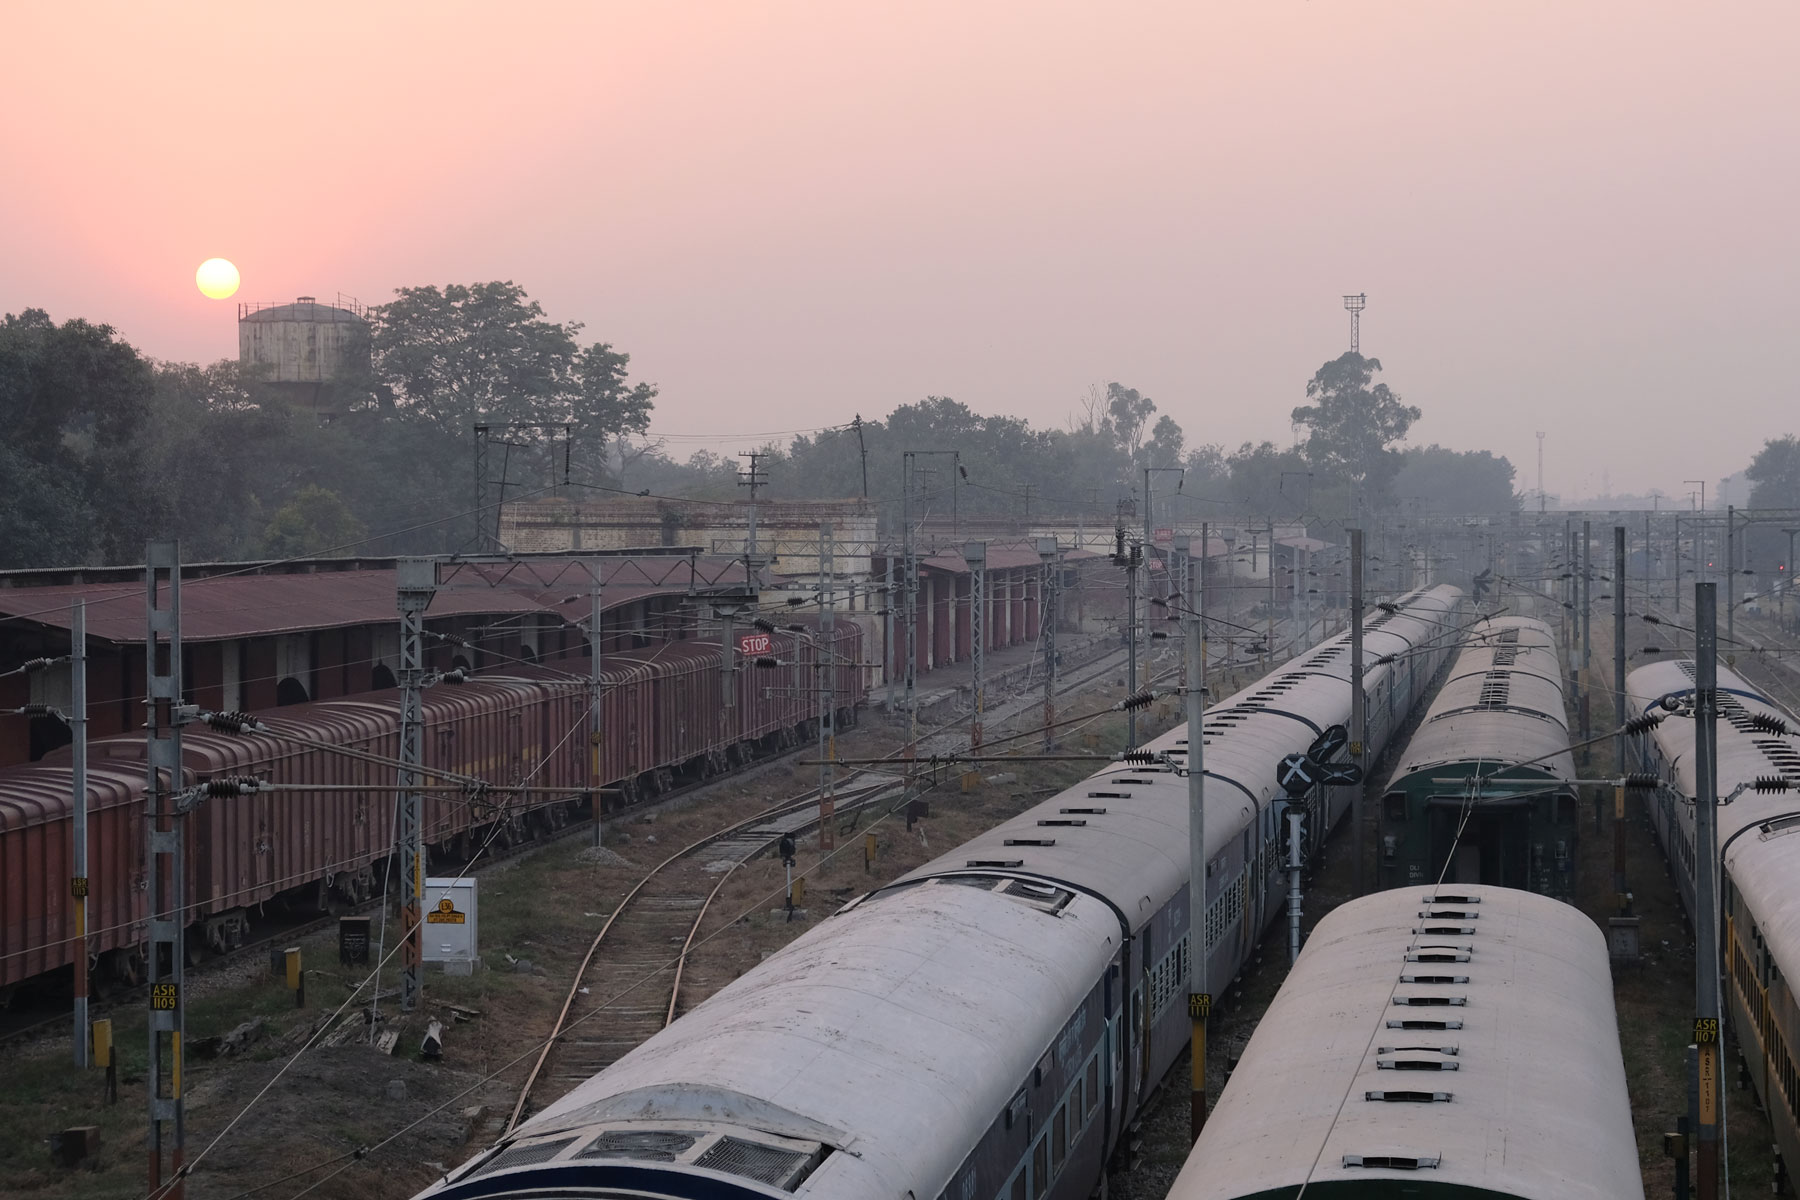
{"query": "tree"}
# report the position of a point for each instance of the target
(1352, 422)
(1455, 481)
(1774, 474)
(314, 521)
(1165, 445)
(73, 399)
(1127, 417)
(465, 354)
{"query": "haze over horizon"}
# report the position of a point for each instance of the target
(1575, 219)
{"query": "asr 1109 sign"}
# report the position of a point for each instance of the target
(754, 643)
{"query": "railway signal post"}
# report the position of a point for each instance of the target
(164, 864)
(1199, 998)
(1706, 912)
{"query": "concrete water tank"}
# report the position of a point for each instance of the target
(304, 347)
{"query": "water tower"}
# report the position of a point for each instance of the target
(312, 355)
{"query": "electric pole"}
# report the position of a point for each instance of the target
(825, 665)
(165, 864)
(753, 479)
(1540, 438)
(975, 554)
(1706, 914)
(417, 584)
(1359, 719)
(596, 725)
(1047, 600)
(1199, 999)
(78, 877)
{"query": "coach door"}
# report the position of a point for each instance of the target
(1494, 846)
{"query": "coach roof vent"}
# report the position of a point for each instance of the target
(1390, 1097)
(1392, 1162)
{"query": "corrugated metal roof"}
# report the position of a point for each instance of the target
(222, 608)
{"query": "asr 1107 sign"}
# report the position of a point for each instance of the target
(754, 643)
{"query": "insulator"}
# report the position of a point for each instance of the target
(1137, 701)
(766, 664)
(1643, 724)
(36, 664)
(453, 639)
(1639, 781)
(796, 601)
(1769, 723)
(763, 626)
(797, 629)
(1771, 783)
(35, 710)
(1652, 619)
(233, 722)
(220, 789)
(1145, 757)
(455, 675)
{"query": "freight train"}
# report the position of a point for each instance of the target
(1760, 860)
(991, 1024)
(1488, 773)
(663, 725)
(1431, 1042)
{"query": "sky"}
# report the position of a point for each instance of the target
(1576, 218)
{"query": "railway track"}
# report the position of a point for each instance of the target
(638, 987)
(653, 928)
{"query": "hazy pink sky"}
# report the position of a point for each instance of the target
(1577, 217)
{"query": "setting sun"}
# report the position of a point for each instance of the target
(217, 278)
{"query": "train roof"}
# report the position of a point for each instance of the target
(854, 1047)
(1502, 702)
(1122, 833)
(1754, 828)
(1521, 1094)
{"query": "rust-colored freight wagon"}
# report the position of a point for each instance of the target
(324, 832)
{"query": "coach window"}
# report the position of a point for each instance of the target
(1059, 1136)
(1040, 1177)
(1093, 1079)
(1017, 1190)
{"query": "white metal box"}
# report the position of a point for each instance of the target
(450, 920)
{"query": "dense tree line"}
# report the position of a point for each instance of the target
(1346, 462)
(108, 448)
